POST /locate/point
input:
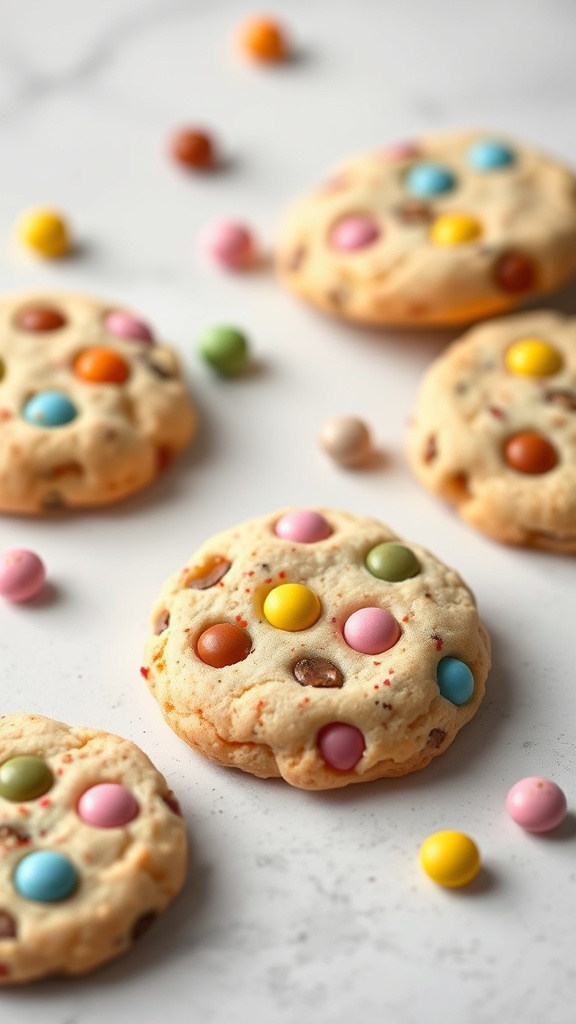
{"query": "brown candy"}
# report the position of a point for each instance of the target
(317, 672)
(7, 925)
(414, 212)
(515, 273)
(563, 397)
(192, 149)
(39, 318)
(223, 644)
(529, 452)
(143, 924)
(209, 573)
(436, 738)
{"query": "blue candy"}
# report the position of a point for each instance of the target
(49, 409)
(455, 680)
(425, 180)
(45, 876)
(489, 155)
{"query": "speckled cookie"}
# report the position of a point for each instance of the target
(316, 645)
(92, 847)
(494, 430)
(445, 230)
(92, 408)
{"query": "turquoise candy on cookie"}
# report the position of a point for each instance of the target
(45, 876)
(429, 179)
(455, 680)
(49, 409)
(490, 155)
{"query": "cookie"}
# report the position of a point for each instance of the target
(316, 645)
(445, 230)
(494, 430)
(92, 408)
(92, 847)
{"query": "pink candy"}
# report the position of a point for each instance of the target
(341, 745)
(401, 151)
(303, 526)
(536, 804)
(371, 631)
(355, 232)
(22, 574)
(124, 325)
(229, 243)
(107, 805)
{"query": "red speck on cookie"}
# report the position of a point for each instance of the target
(145, 672)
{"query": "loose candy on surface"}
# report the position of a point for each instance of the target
(303, 526)
(229, 244)
(455, 680)
(450, 858)
(263, 40)
(125, 325)
(107, 805)
(49, 409)
(45, 876)
(347, 440)
(24, 777)
(22, 574)
(292, 606)
(192, 149)
(536, 804)
(371, 630)
(43, 231)
(225, 349)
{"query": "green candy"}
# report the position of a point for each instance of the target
(225, 349)
(24, 778)
(392, 562)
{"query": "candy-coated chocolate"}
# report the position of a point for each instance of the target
(39, 318)
(228, 243)
(346, 439)
(223, 644)
(44, 231)
(263, 39)
(537, 804)
(317, 672)
(107, 805)
(532, 357)
(25, 777)
(392, 562)
(354, 232)
(49, 409)
(192, 149)
(449, 858)
(429, 179)
(455, 680)
(371, 630)
(292, 606)
(455, 229)
(99, 365)
(341, 746)
(490, 155)
(403, 150)
(124, 325)
(209, 573)
(515, 273)
(529, 452)
(225, 349)
(45, 876)
(22, 574)
(303, 526)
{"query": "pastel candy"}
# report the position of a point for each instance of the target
(490, 155)
(125, 325)
(354, 232)
(429, 179)
(107, 805)
(455, 680)
(371, 630)
(536, 804)
(24, 777)
(45, 876)
(49, 409)
(341, 745)
(22, 574)
(392, 562)
(303, 526)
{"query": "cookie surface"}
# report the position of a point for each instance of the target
(278, 651)
(445, 230)
(92, 847)
(91, 406)
(494, 430)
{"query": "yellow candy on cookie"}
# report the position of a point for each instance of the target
(455, 229)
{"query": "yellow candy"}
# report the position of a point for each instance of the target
(454, 229)
(451, 859)
(44, 231)
(292, 606)
(531, 357)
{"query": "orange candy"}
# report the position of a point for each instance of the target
(529, 452)
(263, 39)
(223, 644)
(101, 366)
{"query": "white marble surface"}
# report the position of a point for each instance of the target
(299, 907)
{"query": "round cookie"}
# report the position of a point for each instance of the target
(92, 408)
(315, 645)
(92, 847)
(494, 430)
(444, 230)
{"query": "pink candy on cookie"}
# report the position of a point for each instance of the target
(22, 574)
(371, 631)
(107, 805)
(124, 325)
(536, 804)
(341, 745)
(354, 232)
(229, 243)
(304, 526)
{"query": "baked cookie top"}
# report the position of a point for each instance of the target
(315, 645)
(92, 847)
(494, 429)
(92, 407)
(444, 230)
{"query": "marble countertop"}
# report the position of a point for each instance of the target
(299, 906)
